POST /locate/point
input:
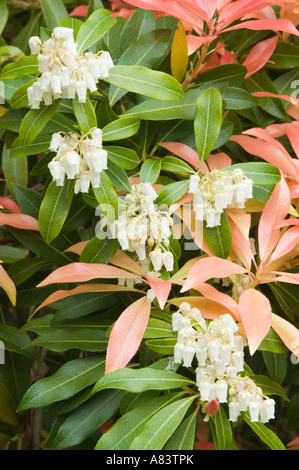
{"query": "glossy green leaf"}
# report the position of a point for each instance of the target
(151, 83)
(221, 430)
(54, 210)
(120, 129)
(175, 165)
(184, 436)
(69, 379)
(40, 144)
(64, 339)
(122, 156)
(107, 198)
(161, 426)
(219, 238)
(208, 121)
(150, 171)
(85, 115)
(24, 66)
(141, 380)
(34, 122)
(53, 11)
(265, 434)
(15, 169)
(99, 250)
(94, 28)
(172, 192)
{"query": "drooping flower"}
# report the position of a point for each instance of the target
(78, 157)
(215, 191)
(144, 230)
(218, 349)
(65, 73)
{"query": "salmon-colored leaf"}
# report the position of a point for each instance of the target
(8, 285)
(264, 25)
(259, 55)
(210, 267)
(256, 314)
(126, 334)
(274, 212)
(21, 221)
(9, 204)
(161, 289)
(287, 242)
(287, 332)
(78, 247)
(122, 260)
(82, 272)
(184, 151)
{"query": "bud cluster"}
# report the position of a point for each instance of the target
(219, 351)
(79, 158)
(216, 191)
(142, 229)
(65, 73)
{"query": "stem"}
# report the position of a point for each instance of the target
(197, 68)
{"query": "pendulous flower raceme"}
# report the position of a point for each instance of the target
(65, 73)
(216, 191)
(218, 348)
(81, 158)
(144, 230)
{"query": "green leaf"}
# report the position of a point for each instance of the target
(15, 170)
(24, 66)
(237, 98)
(123, 157)
(148, 51)
(128, 426)
(85, 115)
(208, 121)
(285, 56)
(151, 83)
(274, 106)
(40, 144)
(93, 29)
(219, 238)
(80, 305)
(69, 379)
(270, 387)
(34, 122)
(53, 11)
(4, 13)
(12, 119)
(139, 23)
(153, 110)
(158, 329)
(107, 198)
(23, 269)
(161, 426)
(87, 418)
(118, 177)
(164, 346)
(260, 173)
(72, 23)
(150, 171)
(265, 434)
(141, 380)
(276, 365)
(99, 250)
(121, 129)
(184, 436)
(175, 165)
(28, 200)
(11, 254)
(54, 210)
(221, 430)
(64, 339)
(16, 341)
(9, 52)
(226, 74)
(172, 192)
(19, 98)
(272, 342)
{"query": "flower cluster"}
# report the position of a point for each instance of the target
(219, 351)
(142, 229)
(216, 191)
(65, 73)
(79, 158)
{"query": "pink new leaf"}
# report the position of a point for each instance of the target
(10, 204)
(275, 211)
(287, 242)
(287, 332)
(126, 334)
(259, 55)
(82, 272)
(207, 268)
(256, 314)
(21, 221)
(183, 151)
(264, 25)
(161, 289)
(8, 285)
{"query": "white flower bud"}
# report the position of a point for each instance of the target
(194, 182)
(221, 390)
(35, 45)
(234, 410)
(254, 410)
(168, 260)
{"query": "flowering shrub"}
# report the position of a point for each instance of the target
(149, 225)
